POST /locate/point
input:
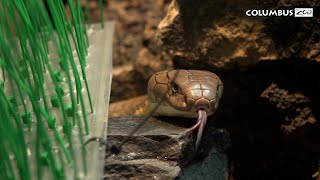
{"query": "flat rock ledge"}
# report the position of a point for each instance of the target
(161, 149)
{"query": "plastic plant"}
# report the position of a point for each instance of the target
(43, 89)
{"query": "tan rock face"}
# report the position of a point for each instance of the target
(148, 63)
(125, 81)
(220, 35)
(295, 106)
(135, 56)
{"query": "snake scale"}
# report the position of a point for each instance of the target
(185, 93)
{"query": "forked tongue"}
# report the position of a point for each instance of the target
(202, 120)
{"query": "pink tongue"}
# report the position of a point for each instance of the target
(202, 120)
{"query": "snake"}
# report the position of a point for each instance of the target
(185, 93)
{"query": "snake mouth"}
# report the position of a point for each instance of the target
(202, 104)
(202, 108)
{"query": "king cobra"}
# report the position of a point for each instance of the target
(185, 93)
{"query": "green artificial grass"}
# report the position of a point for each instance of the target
(43, 63)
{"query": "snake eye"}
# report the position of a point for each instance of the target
(175, 87)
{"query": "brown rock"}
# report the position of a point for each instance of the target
(295, 106)
(126, 107)
(219, 34)
(136, 57)
(149, 63)
(126, 83)
(162, 150)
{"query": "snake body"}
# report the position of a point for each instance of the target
(185, 93)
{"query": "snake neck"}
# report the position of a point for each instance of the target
(147, 106)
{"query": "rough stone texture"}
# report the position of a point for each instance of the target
(295, 107)
(217, 34)
(130, 80)
(135, 26)
(132, 105)
(149, 62)
(126, 83)
(261, 147)
(211, 162)
(161, 150)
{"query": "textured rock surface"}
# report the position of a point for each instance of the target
(126, 83)
(136, 55)
(295, 106)
(219, 35)
(249, 110)
(161, 150)
(132, 105)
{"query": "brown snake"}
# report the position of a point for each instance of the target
(185, 93)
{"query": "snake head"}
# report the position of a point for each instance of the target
(184, 92)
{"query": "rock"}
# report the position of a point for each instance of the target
(160, 149)
(141, 169)
(295, 106)
(130, 80)
(126, 83)
(126, 107)
(148, 63)
(135, 54)
(249, 110)
(215, 163)
(218, 34)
